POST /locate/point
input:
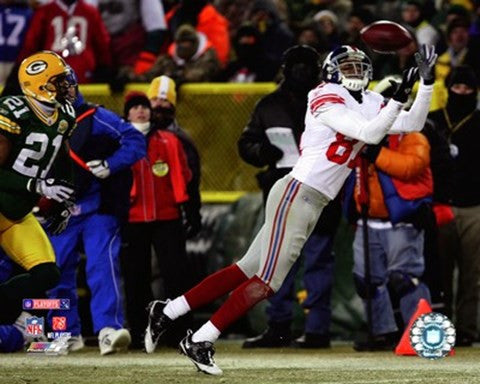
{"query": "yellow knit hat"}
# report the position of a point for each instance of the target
(163, 87)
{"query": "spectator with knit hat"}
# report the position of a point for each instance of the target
(156, 214)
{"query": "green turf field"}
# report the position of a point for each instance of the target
(338, 365)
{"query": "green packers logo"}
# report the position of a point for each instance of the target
(36, 67)
(62, 126)
(160, 168)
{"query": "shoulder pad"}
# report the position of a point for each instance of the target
(325, 95)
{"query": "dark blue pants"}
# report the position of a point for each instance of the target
(318, 281)
(100, 237)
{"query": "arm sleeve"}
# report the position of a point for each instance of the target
(414, 119)
(408, 161)
(132, 142)
(354, 125)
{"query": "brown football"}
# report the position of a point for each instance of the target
(385, 36)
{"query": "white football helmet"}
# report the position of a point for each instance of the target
(348, 66)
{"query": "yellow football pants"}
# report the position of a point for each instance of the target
(25, 241)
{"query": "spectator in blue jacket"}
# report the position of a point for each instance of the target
(103, 148)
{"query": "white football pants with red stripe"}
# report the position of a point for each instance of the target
(291, 212)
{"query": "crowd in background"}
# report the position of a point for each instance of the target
(242, 41)
(223, 40)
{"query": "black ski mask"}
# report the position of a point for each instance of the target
(301, 69)
(162, 117)
(458, 105)
(246, 44)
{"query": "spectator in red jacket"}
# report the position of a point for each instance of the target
(74, 30)
(156, 217)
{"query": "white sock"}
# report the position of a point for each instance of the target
(176, 308)
(207, 332)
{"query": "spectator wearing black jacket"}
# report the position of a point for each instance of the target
(286, 107)
(459, 241)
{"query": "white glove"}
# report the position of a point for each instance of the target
(99, 168)
(57, 190)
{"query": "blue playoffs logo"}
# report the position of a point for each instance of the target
(432, 336)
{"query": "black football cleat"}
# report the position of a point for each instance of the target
(201, 354)
(158, 323)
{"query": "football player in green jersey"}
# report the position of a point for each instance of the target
(33, 128)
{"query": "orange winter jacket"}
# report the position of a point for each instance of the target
(407, 161)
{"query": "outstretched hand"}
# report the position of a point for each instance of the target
(405, 88)
(425, 59)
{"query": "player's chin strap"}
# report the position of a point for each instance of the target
(353, 85)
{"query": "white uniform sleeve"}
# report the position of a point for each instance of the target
(153, 15)
(414, 119)
(352, 124)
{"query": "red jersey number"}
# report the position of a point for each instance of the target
(341, 149)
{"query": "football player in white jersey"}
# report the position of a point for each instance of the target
(341, 117)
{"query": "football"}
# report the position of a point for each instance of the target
(385, 36)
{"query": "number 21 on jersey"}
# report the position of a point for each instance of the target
(29, 159)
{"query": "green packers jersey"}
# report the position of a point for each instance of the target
(35, 142)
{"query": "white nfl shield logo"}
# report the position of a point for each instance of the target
(433, 336)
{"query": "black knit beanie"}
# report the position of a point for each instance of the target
(133, 99)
